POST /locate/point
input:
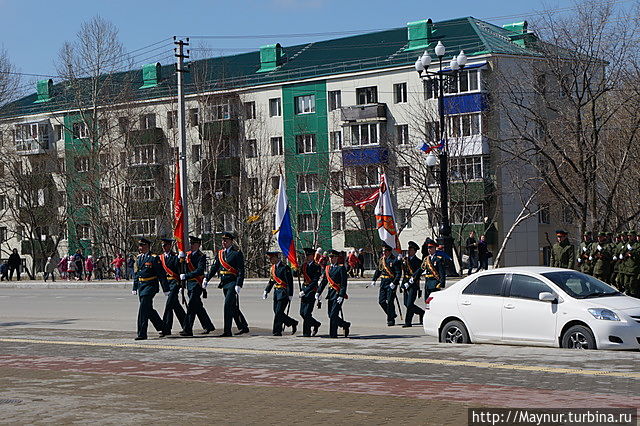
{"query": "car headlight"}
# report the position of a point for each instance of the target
(603, 314)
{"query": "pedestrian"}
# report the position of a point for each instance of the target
(100, 268)
(563, 253)
(71, 268)
(88, 267)
(79, 260)
(390, 271)
(4, 270)
(194, 276)
(282, 279)
(49, 269)
(352, 260)
(472, 252)
(118, 263)
(229, 263)
(483, 253)
(335, 276)
(410, 264)
(146, 284)
(172, 265)
(14, 263)
(361, 262)
(130, 270)
(433, 268)
(311, 273)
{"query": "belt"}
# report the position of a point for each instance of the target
(387, 276)
(408, 276)
(280, 286)
(429, 276)
(147, 279)
(226, 273)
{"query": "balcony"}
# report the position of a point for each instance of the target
(212, 130)
(369, 112)
(154, 135)
(32, 146)
(466, 103)
(364, 155)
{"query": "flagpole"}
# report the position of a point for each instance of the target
(180, 69)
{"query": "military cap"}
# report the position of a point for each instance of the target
(561, 232)
(602, 234)
(144, 241)
(228, 236)
(430, 243)
(585, 233)
(386, 247)
(273, 253)
(309, 251)
(166, 240)
(333, 252)
(193, 239)
(413, 245)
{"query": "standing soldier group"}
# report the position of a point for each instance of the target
(612, 258)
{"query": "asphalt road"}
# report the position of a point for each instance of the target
(68, 355)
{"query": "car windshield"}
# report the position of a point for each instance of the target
(579, 285)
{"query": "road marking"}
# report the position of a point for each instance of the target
(338, 355)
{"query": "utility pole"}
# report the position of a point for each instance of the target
(182, 153)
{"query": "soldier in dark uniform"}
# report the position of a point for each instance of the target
(585, 259)
(335, 276)
(311, 273)
(282, 280)
(433, 268)
(601, 255)
(171, 265)
(146, 284)
(390, 269)
(410, 264)
(229, 263)
(563, 253)
(196, 264)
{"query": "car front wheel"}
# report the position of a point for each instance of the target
(578, 337)
(454, 332)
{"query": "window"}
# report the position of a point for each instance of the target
(402, 134)
(399, 93)
(308, 182)
(404, 174)
(467, 213)
(250, 110)
(143, 190)
(196, 152)
(276, 145)
(196, 189)
(219, 111)
(172, 119)
(305, 104)
(404, 218)
(226, 149)
(252, 184)
(364, 134)
(19, 232)
(193, 117)
(468, 168)
(143, 227)
(222, 188)
(58, 130)
(275, 182)
(147, 121)
(335, 100)
(3, 234)
(80, 130)
(567, 215)
(336, 181)
(432, 131)
(82, 164)
(83, 231)
(367, 95)
(85, 197)
(486, 285)
(62, 198)
(544, 216)
(363, 176)
(123, 125)
(144, 154)
(307, 222)
(275, 107)
(526, 287)
(338, 221)
(336, 140)
(252, 148)
(3, 202)
(306, 143)
(463, 125)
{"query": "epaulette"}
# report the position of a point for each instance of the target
(153, 254)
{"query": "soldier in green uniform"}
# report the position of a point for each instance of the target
(282, 280)
(389, 268)
(602, 258)
(635, 285)
(145, 285)
(410, 264)
(433, 268)
(616, 250)
(585, 259)
(631, 263)
(311, 273)
(563, 253)
(171, 265)
(335, 276)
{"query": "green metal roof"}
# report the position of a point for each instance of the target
(377, 50)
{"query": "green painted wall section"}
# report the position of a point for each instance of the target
(312, 123)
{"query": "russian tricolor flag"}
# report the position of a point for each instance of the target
(426, 148)
(283, 231)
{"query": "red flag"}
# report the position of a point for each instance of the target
(178, 217)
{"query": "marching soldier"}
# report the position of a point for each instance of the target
(635, 285)
(410, 264)
(389, 268)
(616, 249)
(602, 256)
(282, 280)
(196, 264)
(145, 286)
(335, 276)
(585, 258)
(229, 263)
(311, 273)
(433, 267)
(171, 265)
(631, 263)
(563, 253)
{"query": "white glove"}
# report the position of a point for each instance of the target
(373, 284)
(399, 257)
(629, 247)
(181, 255)
(620, 257)
(590, 257)
(301, 293)
(614, 258)
(599, 247)
(317, 296)
(166, 293)
(290, 298)
(579, 260)
(264, 296)
(205, 283)
(183, 277)
(392, 286)
(339, 300)
(406, 285)
(584, 249)
(134, 292)
(238, 288)
(411, 280)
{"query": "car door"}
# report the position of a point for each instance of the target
(525, 318)
(480, 305)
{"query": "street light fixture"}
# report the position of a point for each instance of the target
(456, 65)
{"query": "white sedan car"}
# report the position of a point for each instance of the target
(534, 306)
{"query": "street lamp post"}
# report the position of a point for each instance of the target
(456, 65)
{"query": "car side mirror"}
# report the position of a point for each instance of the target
(545, 296)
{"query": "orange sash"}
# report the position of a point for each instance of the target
(427, 262)
(306, 277)
(274, 277)
(383, 262)
(170, 274)
(225, 264)
(199, 278)
(334, 285)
